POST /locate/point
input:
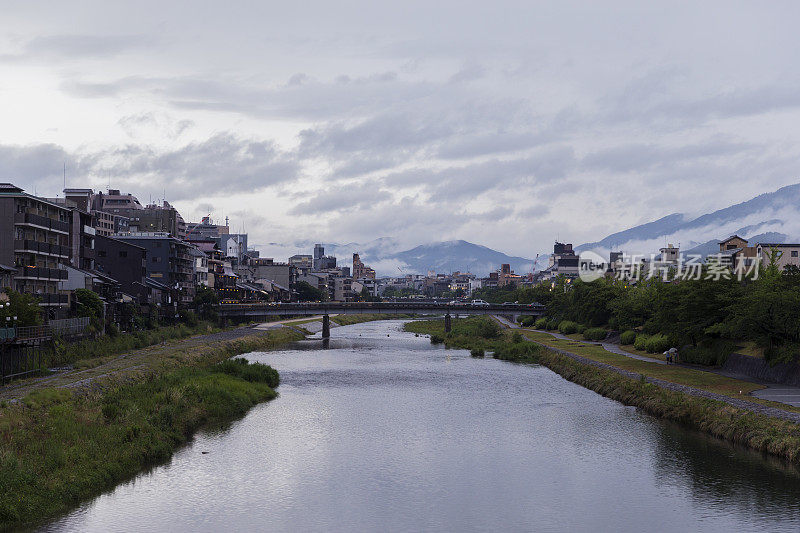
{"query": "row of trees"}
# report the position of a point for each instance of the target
(707, 314)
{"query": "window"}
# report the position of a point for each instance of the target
(101, 253)
(794, 253)
(123, 253)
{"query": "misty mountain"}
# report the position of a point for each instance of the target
(388, 258)
(771, 216)
(451, 256)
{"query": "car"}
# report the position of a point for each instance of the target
(480, 302)
(453, 302)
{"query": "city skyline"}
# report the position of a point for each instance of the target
(502, 125)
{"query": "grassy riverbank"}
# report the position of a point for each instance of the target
(60, 446)
(771, 435)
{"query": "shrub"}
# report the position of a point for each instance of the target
(595, 334)
(189, 318)
(437, 339)
(477, 352)
(523, 352)
(641, 342)
(627, 337)
(540, 323)
(567, 327)
(252, 372)
(657, 343)
(582, 328)
(483, 327)
(711, 352)
(528, 321)
(517, 337)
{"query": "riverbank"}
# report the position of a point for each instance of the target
(761, 427)
(64, 444)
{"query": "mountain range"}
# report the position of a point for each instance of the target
(771, 217)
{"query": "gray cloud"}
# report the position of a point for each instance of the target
(38, 167)
(343, 198)
(641, 157)
(222, 164)
(57, 47)
(455, 183)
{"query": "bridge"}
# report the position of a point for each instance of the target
(258, 311)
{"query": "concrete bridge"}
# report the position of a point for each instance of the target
(258, 311)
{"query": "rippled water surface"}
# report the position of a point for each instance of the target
(377, 433)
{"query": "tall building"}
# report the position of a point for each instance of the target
(319, 253)
(152, 218)
(35, 241)
(105, 223)
(168, 261)
(360, 270)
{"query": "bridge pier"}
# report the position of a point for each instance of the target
(448, 325)
(326, 326)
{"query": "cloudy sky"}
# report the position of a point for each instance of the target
(507, 124)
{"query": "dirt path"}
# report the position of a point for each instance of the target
(132, 361)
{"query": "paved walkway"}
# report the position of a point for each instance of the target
(771, 391)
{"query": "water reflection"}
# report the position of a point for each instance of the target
(393, 434)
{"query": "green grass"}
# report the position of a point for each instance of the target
(771, 435)
(70, 352)
(58, 448)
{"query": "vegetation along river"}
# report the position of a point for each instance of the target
(390, 433)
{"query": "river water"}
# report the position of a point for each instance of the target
(381, 431)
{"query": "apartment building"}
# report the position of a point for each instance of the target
(168, 261)
(35, 240)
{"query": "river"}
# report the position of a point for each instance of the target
(381, 431)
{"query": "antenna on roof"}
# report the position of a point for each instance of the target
(65, 174)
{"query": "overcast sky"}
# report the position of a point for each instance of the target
(507, 124)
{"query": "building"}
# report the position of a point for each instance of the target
(267, 269)
(124, 262)
(156, 219)
(360, 270)
(735, 253)
(200, 266)
(784, 254)
(206, 229)
(35, 241)
(105, 223)
(152, 218)
(341, 288)
(319, 253)
(168, 262)
(302, 261)
(669, 254)
(506, 276)
(563, 262)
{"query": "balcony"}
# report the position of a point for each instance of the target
(51, 274)
(53, 299)
(87, 253)
(41, 248)
(41, 222)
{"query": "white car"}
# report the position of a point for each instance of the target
(480, 302)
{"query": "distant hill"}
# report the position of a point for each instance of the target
(389, 259)
(450, 256)
(769, 216)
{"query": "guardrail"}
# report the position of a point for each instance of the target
(375, 307)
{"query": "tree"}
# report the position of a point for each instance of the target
(205, 302)
(23, 306)
(88, 304)
(307, 293)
